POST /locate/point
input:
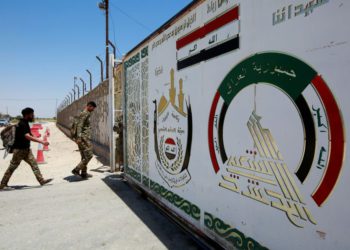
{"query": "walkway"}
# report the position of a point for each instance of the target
(101, 213)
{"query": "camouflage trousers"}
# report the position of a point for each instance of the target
(19, 155)
(119, 151)
(85, 149)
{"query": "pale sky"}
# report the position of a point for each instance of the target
(45, 43)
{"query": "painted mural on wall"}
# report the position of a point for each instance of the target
(145, 113)
(173, 135)
(215, 38)
(137, 114)
(133, 114)
(249, 107)
(259, 171)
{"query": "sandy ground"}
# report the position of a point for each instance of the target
(101, 213)
(61, 159)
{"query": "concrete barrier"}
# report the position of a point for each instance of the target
(99, 119)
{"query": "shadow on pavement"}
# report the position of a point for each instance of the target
(22, 187)
(102, 169)
(17, 187)
(73, 178)
(164, 228)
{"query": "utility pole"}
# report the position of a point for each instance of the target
(107, 39)
(104, 5)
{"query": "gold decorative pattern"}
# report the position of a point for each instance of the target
(163, 102)
(265, 177)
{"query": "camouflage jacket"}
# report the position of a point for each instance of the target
(119, 130)
(83, 125)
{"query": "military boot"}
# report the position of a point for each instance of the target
(5, 188)
(44, 182)
(85, 175)
(75, 172)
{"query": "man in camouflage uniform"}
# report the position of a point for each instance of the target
(83, 139)
(22, 151)
(119, 144)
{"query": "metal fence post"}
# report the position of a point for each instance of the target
(111, 114)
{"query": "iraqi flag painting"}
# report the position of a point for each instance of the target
(170, 149)
(217, 37)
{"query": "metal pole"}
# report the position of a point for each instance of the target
(84, 86)
(104, 5)
(90, 78)
(75, 83)
(114, 51)
(101, 63)
(74, 92)
(107, 38)
(111, 116)
(77, 86)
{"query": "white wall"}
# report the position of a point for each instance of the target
(276, 71)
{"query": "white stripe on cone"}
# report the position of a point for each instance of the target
(40, 155)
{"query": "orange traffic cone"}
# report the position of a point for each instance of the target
(35, 132)
(37, 126)
(47, 132)
(46, 148)
(40, 155)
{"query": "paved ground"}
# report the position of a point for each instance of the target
(101, 213)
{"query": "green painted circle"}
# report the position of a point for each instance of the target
(284, 71)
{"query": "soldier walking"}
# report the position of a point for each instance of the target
(83, 139)
(119, 145)
(22, 151)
